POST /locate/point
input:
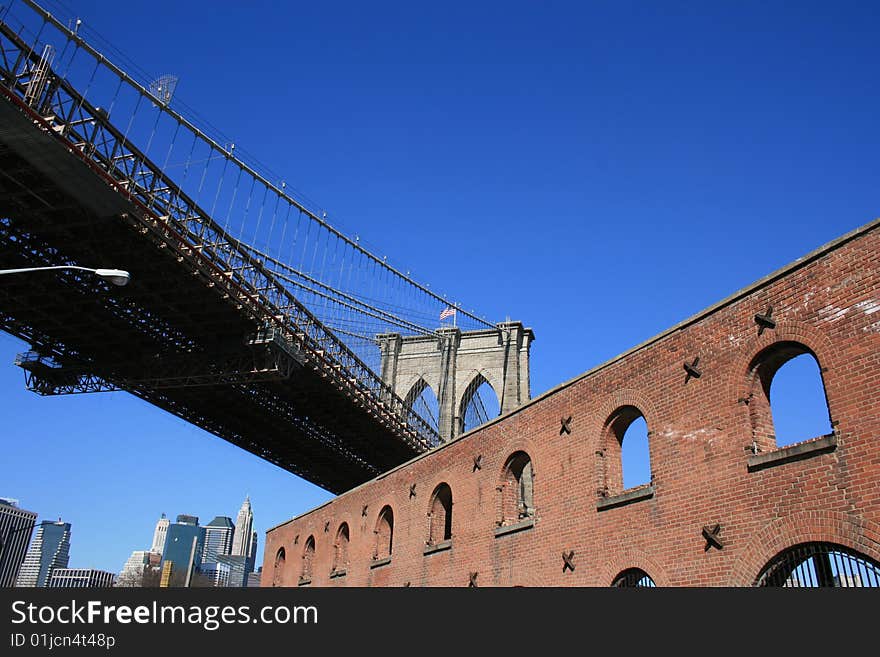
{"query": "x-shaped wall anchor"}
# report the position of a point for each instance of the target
(566, 425)
(478, 462)
(472, 583)
(692, 371)
(568, 561)
(713, 537)
(326, 526)
(364, 511)
(296, 539)
(412, 491)
(765, 321)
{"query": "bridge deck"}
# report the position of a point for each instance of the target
(171, 322)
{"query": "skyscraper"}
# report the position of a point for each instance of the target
(218, 538)
(16, 528)
(232, 570)
(49, 550)
(244, 530)
(252, 557)
(184, 545)
(133, 571)
(159, 535)
(80, 578)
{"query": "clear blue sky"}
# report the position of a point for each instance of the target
(598, 170)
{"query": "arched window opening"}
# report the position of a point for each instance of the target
(797, 410)
(340, 549)
(479, 404)
(517, 489)
(422, 400)
(820, 565)
(633, 577)
(627, 452)
(635, 460)
(308, 560)
(440, 515)
(279, 567)
(384, 534)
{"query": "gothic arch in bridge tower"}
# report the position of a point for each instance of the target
(467, 386)
(450, 360)
(416, 388)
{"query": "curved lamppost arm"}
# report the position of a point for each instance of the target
(115, 276)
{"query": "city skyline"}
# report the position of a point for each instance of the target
(598, 172)
(217, 540)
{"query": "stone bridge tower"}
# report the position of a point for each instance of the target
(455, 363)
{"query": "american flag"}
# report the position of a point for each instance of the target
(448, 311)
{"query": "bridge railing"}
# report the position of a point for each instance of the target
(40, 77)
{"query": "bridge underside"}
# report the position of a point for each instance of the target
(171, 336)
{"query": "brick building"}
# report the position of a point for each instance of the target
(536, 497)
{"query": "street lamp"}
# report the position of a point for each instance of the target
(115, 276)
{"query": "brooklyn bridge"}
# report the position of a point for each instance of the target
(246, 313)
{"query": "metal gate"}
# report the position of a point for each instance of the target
(633, 577)
(820, 564)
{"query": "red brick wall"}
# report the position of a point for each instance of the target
(700, 435)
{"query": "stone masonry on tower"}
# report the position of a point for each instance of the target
(455, 364)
